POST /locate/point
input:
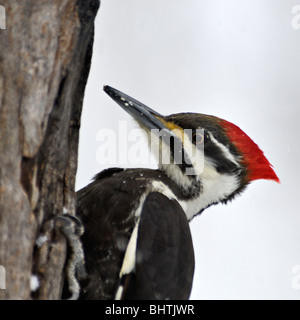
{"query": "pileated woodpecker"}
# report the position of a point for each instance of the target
(137, 242)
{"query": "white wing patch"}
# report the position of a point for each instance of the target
(129, 259)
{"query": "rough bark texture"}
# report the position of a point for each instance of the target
(45, 55)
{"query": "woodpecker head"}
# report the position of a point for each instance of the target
(201, 153)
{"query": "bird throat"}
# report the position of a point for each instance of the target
(198, 193)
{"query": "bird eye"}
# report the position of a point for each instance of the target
(198, 138)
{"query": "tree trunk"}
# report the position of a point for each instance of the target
(45, 55)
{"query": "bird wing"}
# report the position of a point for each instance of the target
(159, 260)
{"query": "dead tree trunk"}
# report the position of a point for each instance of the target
(45, 54)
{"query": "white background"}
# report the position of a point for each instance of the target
(235, 59)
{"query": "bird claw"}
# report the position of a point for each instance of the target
(72, 229)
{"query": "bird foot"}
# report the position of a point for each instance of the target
(72, 229)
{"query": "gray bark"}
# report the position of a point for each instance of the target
(45, 54)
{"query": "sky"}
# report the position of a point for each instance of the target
(234, 59)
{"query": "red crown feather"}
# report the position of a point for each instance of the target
(258, 165)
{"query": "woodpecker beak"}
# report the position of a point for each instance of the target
(144, 115)
(155, 123)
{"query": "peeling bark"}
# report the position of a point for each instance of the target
(45, 54)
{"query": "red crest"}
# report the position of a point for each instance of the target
(258, 165)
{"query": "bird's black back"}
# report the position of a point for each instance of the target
(107, 209)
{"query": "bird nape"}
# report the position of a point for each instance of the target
(137, 241)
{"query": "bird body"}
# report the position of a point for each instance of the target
(110, 208)
(137, 240)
